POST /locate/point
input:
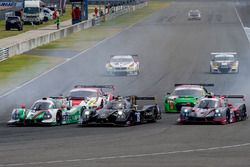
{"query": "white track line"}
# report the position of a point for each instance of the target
(125, 156)
(237, 13)
(67, 60)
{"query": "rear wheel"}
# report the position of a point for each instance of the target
(59, 118)
(244, 114)
(228, 117)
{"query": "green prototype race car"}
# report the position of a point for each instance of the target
(185, 95)
(46, 111)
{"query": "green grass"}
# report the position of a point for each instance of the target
(13, 32)
(20, 68)
(87, 38)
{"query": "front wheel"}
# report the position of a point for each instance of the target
(228, 117)
(59, 118)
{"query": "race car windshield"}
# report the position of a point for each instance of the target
(224, 58)
(205, 104)
(188, 92)
(123, 60)
(114, 105)
(41, 106)
(194, 13)
(83, 94)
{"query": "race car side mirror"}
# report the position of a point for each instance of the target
(168, 93)
(229, 105)
(23, 106)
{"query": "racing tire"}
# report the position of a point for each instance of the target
(137, 72)
(7, 28)
(154, 119)
(228, 117)
(129, 121)
(83, 124)
(59, 118)
(244, 114)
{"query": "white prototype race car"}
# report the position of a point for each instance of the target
(91, 96)
(224, 62)
(123, 65)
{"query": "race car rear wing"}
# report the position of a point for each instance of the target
(57, 97)
(232, 96)
(228, 96)
(134, 99)
(133, 55)
(75, 98)
(223, 53)
(198, 84)
(95, 86)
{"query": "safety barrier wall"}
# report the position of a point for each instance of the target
(25, 46)
(4, 53)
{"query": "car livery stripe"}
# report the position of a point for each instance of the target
(37, 114)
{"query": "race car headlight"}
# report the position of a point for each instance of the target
(234, 65)
(215, 65)
(217, 113)
(120, 112)
(131, 66)
(86, 112)
(47, 115)
(170, 101)
(109, 65)
(14, 115)
(185, 110)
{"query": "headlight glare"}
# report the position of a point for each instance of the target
(47, 115)
(120, 112)
(86, 112)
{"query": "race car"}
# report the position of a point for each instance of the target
(194, 14)
(215, 109)
(122, 111)
(224, 62)
(46, 111)
(123, 65)
(91, 96)
(183, 95)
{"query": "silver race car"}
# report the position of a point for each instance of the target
(194, 14)
(123, 65)
(224, 62)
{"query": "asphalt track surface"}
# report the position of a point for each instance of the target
(172, 50)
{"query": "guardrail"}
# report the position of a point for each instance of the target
(4, 53)
(26, 45)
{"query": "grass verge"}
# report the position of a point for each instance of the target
(18, 69)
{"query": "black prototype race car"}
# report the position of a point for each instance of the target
(122, 111)
(215, 109)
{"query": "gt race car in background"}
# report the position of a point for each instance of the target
(224, 62)
(46, 111)
(194, 14)
(122, 111)
(123, 65)
(185, 95)
(91, 96)
(215, 109)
